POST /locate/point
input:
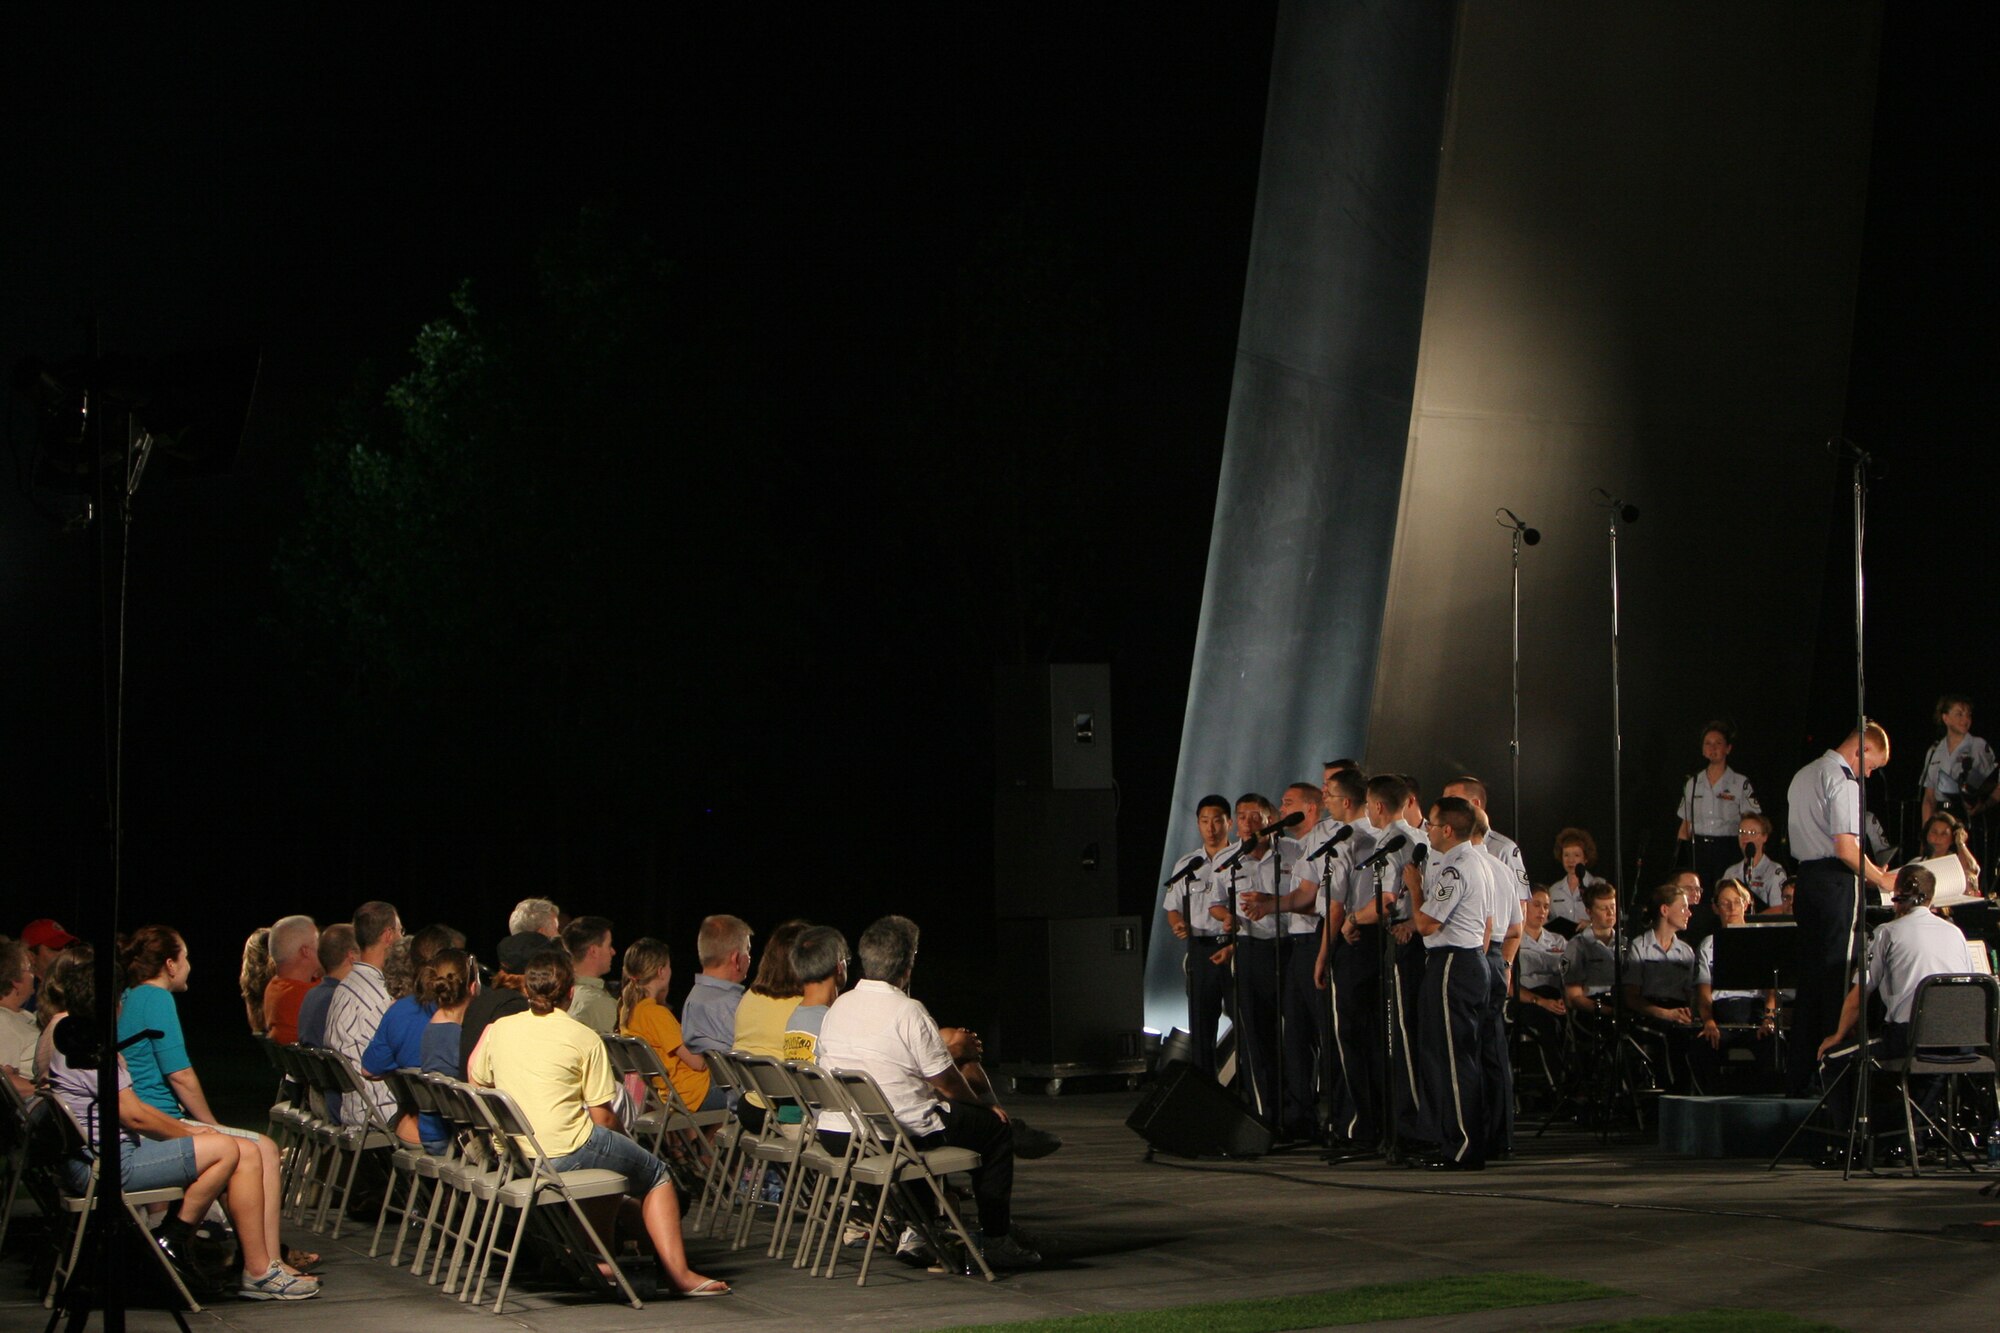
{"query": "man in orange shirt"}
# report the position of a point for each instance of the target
(295, 970)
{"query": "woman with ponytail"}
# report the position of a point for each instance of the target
(447, 984)
(643, 1013)
(557, 1071)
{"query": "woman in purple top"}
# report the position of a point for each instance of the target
(157, 1151)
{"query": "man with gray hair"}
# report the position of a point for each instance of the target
(18, 1030)
(294, 947)
(878, 1029)
(535, 914)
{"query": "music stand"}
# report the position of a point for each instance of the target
(1757, 955)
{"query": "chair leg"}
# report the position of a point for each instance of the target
(950, 1210)
(874, 1232)
(166, 1265)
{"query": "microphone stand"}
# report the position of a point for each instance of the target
(1244, 1058)
(1385, 949)
(1617, 1036)
(1514, 743)
(1858, 943)
(1278, 952)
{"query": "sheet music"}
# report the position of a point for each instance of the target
(1950, 876)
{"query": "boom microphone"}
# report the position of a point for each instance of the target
(1529, 536)
(1187, 871)
(1293, 820)
(1385, 851)
(1345, 832)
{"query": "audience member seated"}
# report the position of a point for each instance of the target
(398, 1042)
(255, 976)
(556, 1069)
(45, 940)
(1576, 853)
(878, 1029)
(643, 1013)
(1732, 1019)
(1590, 960)
(362, 998)
(447, 984)
(336, 959)
(158, 1151)
(503, 996)
(709, 1014)
(155, 963)
(1661, 983)
(819, 958)
(763, 1014)
(18, 1030)
(588, 939)
(535, 916)
(295, 970)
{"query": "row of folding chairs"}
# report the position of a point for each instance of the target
(453, 1207)
(819, 1189)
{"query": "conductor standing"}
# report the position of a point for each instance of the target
(1825, 828)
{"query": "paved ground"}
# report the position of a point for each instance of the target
(1131, 1235)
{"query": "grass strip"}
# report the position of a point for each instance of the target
(1352, 1305)
(1713, 1321)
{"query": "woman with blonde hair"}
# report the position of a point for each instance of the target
(643, 1013)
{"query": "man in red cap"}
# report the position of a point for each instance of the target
(44, 939)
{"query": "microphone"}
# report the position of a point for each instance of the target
(1606, 500)
(1346, 831)
(1230, 864)
(1187, 871)
(1293, 820)
(1529, 536)
(1420, 854)
(1385, 851)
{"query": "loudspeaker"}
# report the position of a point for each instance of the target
(1189, 1114)
(1055, 853)
(1075, 993)
(1052, 726)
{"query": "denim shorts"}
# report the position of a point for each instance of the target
(150, 1164)
(608, 1150)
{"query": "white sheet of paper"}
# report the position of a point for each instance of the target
(1950, 877)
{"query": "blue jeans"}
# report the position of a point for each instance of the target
(149, 1164)
(608, 1150)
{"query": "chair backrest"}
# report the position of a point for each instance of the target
(767, 1076)
(413, 1095)
(866, 1102)
(1958, 1009)
(815, 1088)
(724, 1072)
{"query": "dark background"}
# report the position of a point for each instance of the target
(924, 368)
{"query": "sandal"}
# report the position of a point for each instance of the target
(303, 1261)
(712, 1287)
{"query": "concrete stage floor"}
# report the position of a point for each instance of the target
(1125, 1234)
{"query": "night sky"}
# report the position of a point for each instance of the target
(931, 375)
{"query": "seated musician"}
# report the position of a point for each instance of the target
(1590, 961)
(1732, 1018)
(1569, 904)
(1660, 985)
(1944, 835)
(1538, 972)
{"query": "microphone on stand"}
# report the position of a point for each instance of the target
(1627, 513)
(1293, 820)
(1385, 851)
(1230, 863)
(1529, 536)
(1187, 871)
(1346, 832)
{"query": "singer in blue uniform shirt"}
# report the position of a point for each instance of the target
(1192, 890)
(1455, 923)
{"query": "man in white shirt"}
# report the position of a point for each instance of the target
(360, 1001)
(1456, 923)
(878, 1029)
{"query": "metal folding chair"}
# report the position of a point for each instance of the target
(887, 1159)
(1954, 1022)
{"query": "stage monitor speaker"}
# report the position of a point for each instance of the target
(1187, 1113)
(1052, 727)
(1075, 993)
